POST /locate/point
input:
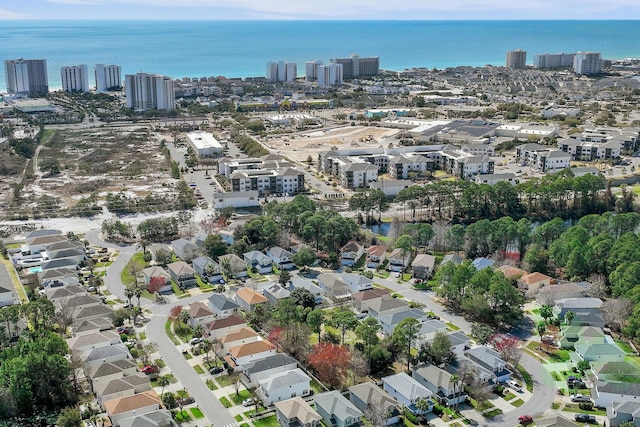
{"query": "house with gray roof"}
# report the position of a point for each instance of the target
(274, 292)
(441, 382)
(295, 412)
(336, 410)
(97, 356)
(284, 386)
(361, 300)
(604, 393)
(111, 370)
(301, 282)
(158, 273)
(122, 387)
(262, 263)
(208, 270)
(237, 264)
(333, 286)
(59, 263)
(490, 360)
(604, 352)
(379, 307)
(356, 282)
(456, 259)
(222, 306)
(407, 391)
(423, 266)
(374, 402)
(390, 319)
(482, 263)
(623, 411)
(8, 295)
(157, 418)
(576, 305)
(428, 330)
(184, 249)
(282, 258)
(183, 274)
(615, 371)
(92, 313)
(254, 372)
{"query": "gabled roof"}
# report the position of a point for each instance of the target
(233, 320)
(130, 403)
(623, 388)
(257, 256)
(386, 304)
(157, 418)
(615, 369)
(593, 350)
(92, 339)
(270, 362)
(284, 379)
(577, 303)
(301, 282)
(397, 254)
(394, 317)
(436, 376)
(486, 355)
(155, 271)
(203, 262)
(111, 368)
(199, 309)
(511, 272)
(102, 353)
(556, 421)
(534, 277)
(122, 384)
(237, 263)
(480, 263)
(351, 246)
(182, 244)
(251, 348)
(277, 251)
(93, 311)
(297, 409)
(242, 334)
(376, 250)
(369, 294)
(407, 387)
(277, 291)
(94, 325)
(334, 403)
(424, 260)
(222, 302)
(181, 268)
(250, 296)
(456, 259)
(372, 395)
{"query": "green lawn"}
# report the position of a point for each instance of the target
(142, 336)
(242, 395)
(570, 407)
(198, 369)
(126, 276)
(517, 403)
(624, 346)
(267, 422)
(527, 378)
(197, 413)
(160, 363)
(452, 326)
(167, 330)
(182, 416)
(492, 413)
(223, 380)
(211, 384)
(508, 396)
(225, 402)
(182, 393)
(238, 418)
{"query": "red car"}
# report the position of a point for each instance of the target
(525, 419)
(149, 369)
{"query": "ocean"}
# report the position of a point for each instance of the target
(242, 48)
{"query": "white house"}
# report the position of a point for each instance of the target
(356, 282)
(407, 391)
(284, 386)
(242, 354)
(262, 263)
(397, 260)
(222, 306)
(236, 199)
(267, 367)
(200, 314)
(282, 258)
(184, 249)
(606, 392)
(441, 383)
(221, 327)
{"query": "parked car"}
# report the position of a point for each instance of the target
(577, 384)
(185, 400)
(585, 418)
(216, 370)
(195, 341)
(91, 289)
(248, 402)
(580, 398)
(514, 385)
(525, 419)
(149, 369)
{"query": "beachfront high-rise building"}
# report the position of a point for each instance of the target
(108, 77)
(146, 91)
(553, 60)
(330, 74)
(74, 78)
(587, 63)
(282, 71)
(27, 76)
(355, 66)
(516, 59)
(311, 70)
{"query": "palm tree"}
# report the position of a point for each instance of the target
(129, 293)
(423, 404)
(163, 381)
(568, 317)
(137, 292)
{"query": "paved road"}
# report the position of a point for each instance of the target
(213, 410)
(543, 385)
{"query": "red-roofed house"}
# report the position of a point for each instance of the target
(245, 353)
(243, 336)
(247, 299)
(532, 282)
(138, 404)
(376, 255)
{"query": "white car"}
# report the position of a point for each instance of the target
(397, 275)
(580, 398)
(514, 385)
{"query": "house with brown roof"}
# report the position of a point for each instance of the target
(237, 264)
(350, 253)
(221, 327)
(129, 406)
(295, 412)
(248, 299)
(122, 387)
(423, 266)
(511, 272)
(182, 273)
(161, 274)
(200, 314)
(398, 261)
(362, 299)
(111, 370)
(245, 353)
(376, 255)
(552, 293)
(242, 336)
(369, 398)
(82, 343)
(532, 282)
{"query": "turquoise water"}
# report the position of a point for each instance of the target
(242, 48)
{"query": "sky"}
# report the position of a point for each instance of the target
(318, 9)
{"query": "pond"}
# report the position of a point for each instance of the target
(381, 229)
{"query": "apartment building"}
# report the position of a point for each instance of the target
(281, 71)
(108, 77)
(146, 91)
(590, 150)
(269, 181)
(541, 158)
(355, 66)
(586, 63)
(27, 76)
(516, 59)
(553, 60)
(330, 75)
(74, 78)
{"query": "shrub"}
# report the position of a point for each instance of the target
(586, 406)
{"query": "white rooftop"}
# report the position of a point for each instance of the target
(202, 140)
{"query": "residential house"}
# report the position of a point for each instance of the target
(407, 391)
(234, 339)
(623, 411)
(236, 264)
(350, 253)
(200, 314)
(398, 260)
(7, 294)
(122, 387)
(259, 261)
(333, 286)
(587, 311)
(301, 282)
(428, 330)
(295, 412)
(159, 273)
(374, 402)
(576, 334)
(95, 312)
(511, 272)
(97, 356)
(274, 292)
(447, 389)
(129, 406)
(110, 371)
(83, 343)
(379, 307)
(550, 294)
(531, 283)
(236, 199)
(92, 327)
(392, 318)
(184, 249)
(459, 342)
(222, 306)
(376, 255)
(284, 386)
(423, 266)
(490, 360)
(361, 300)
(482, 262)
(456, 259)
(336, 410)
(269, 366)
(208, 270)
(59, 263)
(604, 393)
(615, 371)
(183, 274)
(221, 327)
(159, 418)
(603, 352)
(356, 282)
(242, 354)
(67, 249)
(247, 299)
(556, 420)
(282, 258)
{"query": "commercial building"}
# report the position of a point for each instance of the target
(355, 66)
(27, 76)
(331, 74)
(146, 91)
(516, 59)
(553, 60)
(282, 72)
(586, 63)
(74, 78)
(108, 77)
(204, 144)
